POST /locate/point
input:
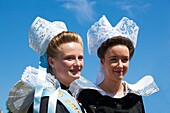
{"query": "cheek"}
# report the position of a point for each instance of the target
(109, 67)
(61, 69)
(67, 64)
(126, 67)
(113, 65)
(82, 63)
(63, 65)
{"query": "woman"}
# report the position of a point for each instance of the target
(115, 47)
(49, 92)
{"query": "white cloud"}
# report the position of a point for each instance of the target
(82, 8)
(132, 6)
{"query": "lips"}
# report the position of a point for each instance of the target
(119, 71)
(75, 71)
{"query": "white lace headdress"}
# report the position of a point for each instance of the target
(102, 30)
(41, 32)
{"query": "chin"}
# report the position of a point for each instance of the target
(121, 77)
(75, 75)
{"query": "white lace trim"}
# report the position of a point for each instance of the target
(29, 77)
(144, 87)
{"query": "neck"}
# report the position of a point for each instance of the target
(112, 87)
(63, 86)
(63, 81)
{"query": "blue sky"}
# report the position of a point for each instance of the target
(152, 54)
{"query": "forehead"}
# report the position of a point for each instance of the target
(71, 47)
(118, 50)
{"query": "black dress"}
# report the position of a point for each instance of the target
(60, 108)
(94, 102)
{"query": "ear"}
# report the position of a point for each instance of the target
(51, 61)
(102, 61)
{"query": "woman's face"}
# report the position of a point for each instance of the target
(69, 63)
(116, 62)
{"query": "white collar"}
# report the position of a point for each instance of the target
(144, 87)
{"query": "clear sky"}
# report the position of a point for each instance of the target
(152, 54)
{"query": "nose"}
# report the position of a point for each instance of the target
(120, 63)
(77, 62)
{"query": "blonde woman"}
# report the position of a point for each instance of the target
(46, 89)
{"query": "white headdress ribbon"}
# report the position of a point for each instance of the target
(103, 30)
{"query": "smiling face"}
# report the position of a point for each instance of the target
(115, 62)
(69, 62)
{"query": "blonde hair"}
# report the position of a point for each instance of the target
(62, 38)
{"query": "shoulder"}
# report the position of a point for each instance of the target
(89, 93)
(88, 96)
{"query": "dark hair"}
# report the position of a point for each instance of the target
(118, 40)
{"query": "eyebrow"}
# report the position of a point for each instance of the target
(119, 57)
